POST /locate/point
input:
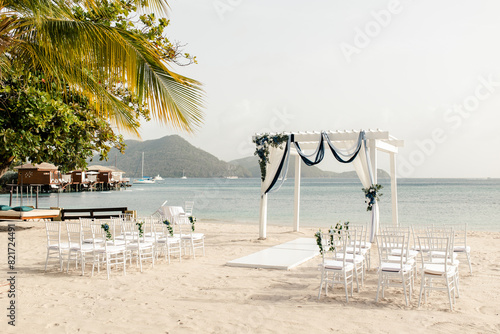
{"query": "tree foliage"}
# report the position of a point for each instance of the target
(71, 71)
(50, 126)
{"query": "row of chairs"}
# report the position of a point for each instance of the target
(113, 242)
(438, 261)
(346, 257)
(398, 249)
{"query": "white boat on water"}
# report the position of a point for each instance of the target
(144, 180)
(183, 176)
(158, 178)
(231, 177)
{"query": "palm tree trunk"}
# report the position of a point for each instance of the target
(5, 163)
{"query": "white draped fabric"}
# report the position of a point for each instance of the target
(345, 148)
(273, 164)
(363, 168)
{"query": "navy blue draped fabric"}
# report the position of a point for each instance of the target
(320, 153)
(280, 168)
(354, 154)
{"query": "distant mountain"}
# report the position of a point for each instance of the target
(169, 156)
(252, 165)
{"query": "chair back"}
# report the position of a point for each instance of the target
(98, 236)
(387, 242)
(75, 233)
(439, 247)
(459, 235)
(188, 208)
(53, 230)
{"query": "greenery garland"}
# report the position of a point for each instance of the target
(331, 232)
(372, 195)
(105, 227)
(192, 220)
(262, 144)
(319, 242)
(139, 227)
(169, 227)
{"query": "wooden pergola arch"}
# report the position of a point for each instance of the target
(376, 140)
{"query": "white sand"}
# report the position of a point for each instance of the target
(203, 295)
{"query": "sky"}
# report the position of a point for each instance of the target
(426, 71)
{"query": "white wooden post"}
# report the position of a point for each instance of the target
(297, 193)
(394, 191)
(263, 217)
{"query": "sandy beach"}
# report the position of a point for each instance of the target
(203, 295)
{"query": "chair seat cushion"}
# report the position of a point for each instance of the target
(83, 248)
(171, 240)
(190, 235)
(441, 261)
(394, 267)
(396, 259)
(437, 269)
(461, 249)
(338, 265)
(62, 245)
(112, 249)
(411, 253)
(442, 254)
(351, 258)
(22, 208)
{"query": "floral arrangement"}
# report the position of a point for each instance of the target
(169, 227)
(332, 232)
(139, 227)
(192, 220)
(262, 144)
(105, 227)
(319, 241)
(372, 195)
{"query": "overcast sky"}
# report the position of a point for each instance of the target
(426, 71)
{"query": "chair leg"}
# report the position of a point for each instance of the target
(404, 288)
(449, 292)
(321, 284)
(468, 261)
(378, 286)
(422, 288)
(345, 288)
(47, 260)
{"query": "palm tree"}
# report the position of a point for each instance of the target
(88, 57)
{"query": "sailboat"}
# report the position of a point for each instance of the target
(158, 178)
(144, 180)
(183, 176)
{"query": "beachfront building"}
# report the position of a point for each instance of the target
(358, 148)
(43, 174)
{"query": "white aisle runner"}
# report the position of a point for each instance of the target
(284, 256)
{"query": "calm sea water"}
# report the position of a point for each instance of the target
(323, 201)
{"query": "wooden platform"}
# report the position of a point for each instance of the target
(283, 257)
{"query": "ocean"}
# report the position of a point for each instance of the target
(324, 202)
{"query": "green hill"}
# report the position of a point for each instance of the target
(252, 165)
(169, 156)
